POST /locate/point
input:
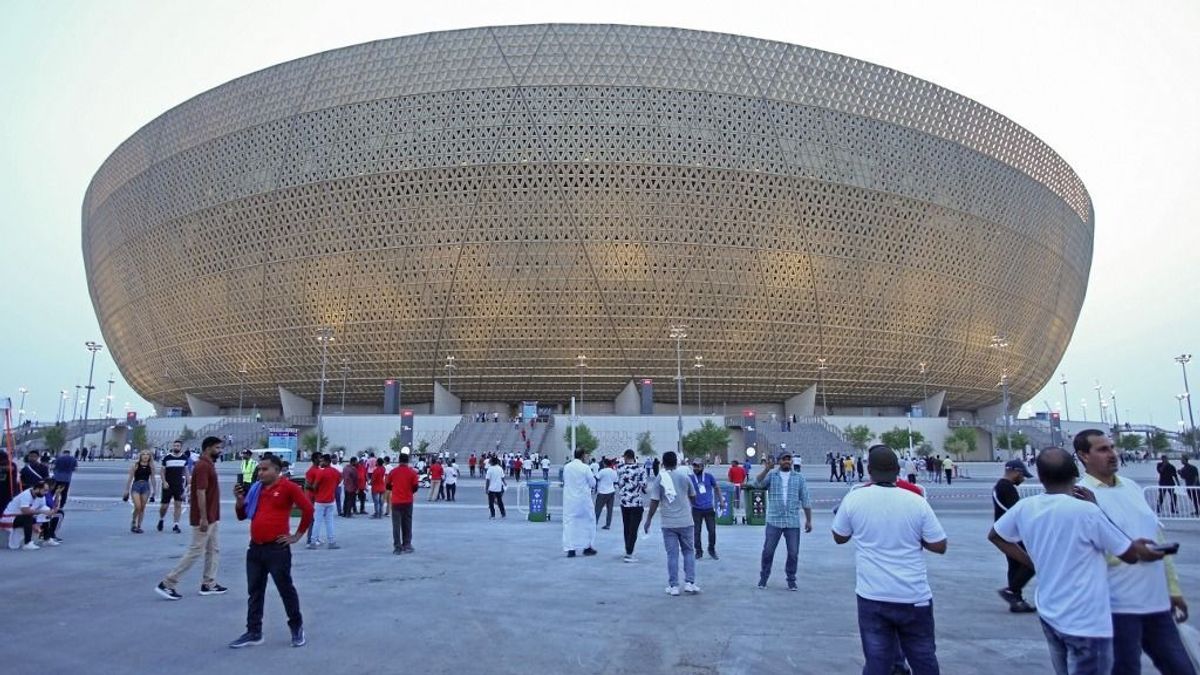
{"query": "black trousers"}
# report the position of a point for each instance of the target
(50, 527)
(362, 501)
(1018, 576)
(709, 518)
(496, 499)
(348, 503)
(65, 489)
(401, 525)
(25, 522)
(949, 476)
(451, 489)
(631, 520)
(274, 560)
(605, 502)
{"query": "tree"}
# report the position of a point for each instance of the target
(422, 447)
(859, 436)
(584, 439)
(55, 438)
(924, 450)
(186, 434)
(308, 442)
(706, 441)
(263, 442)
(898, 438)
(645, 444)
(961, 442)
(1129, 442)
(1160, 442)
(396, 442)
(1016, 440)
(138, 438)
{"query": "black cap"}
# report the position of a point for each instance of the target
(1017, 465)
(882, 463)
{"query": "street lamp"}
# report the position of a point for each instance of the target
(345, 374)
(1007, 435)
(821, 368)
(21, 410)
(1116, 413)
(324, 336)
(678, 333)
(450, 368)
(580, 364)
(1000, 344)
(62, 405)
(1100, 400)
(92, 347)
(1066, 405)
(241, 387)
(75, 404)
(925, 383)
(1083, 402)
(1183, 360)
(699, 366)
(108, 399)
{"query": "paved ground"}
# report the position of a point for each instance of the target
(495, 597)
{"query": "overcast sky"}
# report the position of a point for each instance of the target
(1112, 86)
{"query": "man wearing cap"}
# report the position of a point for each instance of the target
(1004, 497)
(787, 494)
(703, 510)
(890, 527)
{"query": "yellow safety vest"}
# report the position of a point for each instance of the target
(248, 467)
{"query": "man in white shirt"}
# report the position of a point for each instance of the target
(889, 527)
(545, 468)
(26, 507)
(579, 520)
(606, 489)
(1143, 597)
(450, 480)
(493, 483)
(1066, 539)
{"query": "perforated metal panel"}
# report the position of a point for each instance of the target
(517, 196)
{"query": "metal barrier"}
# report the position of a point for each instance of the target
(1173, 502)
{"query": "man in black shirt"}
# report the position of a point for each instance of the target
(1191, 478)
(175, 471)
(34, 471)
(1004, 496)
(1167, 477)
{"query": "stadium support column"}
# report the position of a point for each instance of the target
(803, 404)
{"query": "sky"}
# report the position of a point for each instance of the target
(1110, 85)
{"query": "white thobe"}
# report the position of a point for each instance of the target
(579, 516)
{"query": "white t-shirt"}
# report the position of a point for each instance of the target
(1140, 588)
(595, 467)
(545, 463)
(495, 479)
(450, 475)
(24, 500)
(606, 481)
(785, 479)
(1067, 539)
(887, 525)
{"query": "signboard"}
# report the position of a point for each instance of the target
(529, 410)
(174, 412)
(647, 397)
(131, 418)
(406, 428)
(391, 397)
(749, 429)
(283, 438)
(918, 411)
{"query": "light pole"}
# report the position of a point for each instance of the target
(925, 384)
(1116, 413)
(324, 336)
(1100, 401)
(678, 333)
(75, 404)
(450, 368)
(821, 368)
(92, 347)
(699, 366)
(580, 365)
(1066, 405)
(21, 410)
(1179, 398)
(241, 387)
(1000, 344)
(1007, 435)
(1183, 360)
(1083, 402)
(108, 399)
(62, 405)
(345, 374)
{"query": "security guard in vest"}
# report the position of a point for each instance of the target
(248, 466)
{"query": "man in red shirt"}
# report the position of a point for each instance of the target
(403, 482)
(471, 462)
(378, 486)
(324, 486)
(436, 472)
(205, 506)
(310, 483)
(268, 504)
(737, 476)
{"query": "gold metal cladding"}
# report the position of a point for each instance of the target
(517, 196)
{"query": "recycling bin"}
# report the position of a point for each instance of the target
(756, 506)
(539, 496)
(725, 514)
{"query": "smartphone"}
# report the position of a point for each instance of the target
(1165, 548)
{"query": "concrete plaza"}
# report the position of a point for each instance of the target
(495, 597)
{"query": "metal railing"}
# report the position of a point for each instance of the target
(1168, 502)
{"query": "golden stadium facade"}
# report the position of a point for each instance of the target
(518, 196)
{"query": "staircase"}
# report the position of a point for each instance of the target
(484, 437)
(810, 439)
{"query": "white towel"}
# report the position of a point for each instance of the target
(668, 485)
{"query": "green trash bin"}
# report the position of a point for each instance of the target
(299, 481)
(756, 506)
(539, 497)
(725, 514)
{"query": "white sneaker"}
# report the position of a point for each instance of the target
(33, 547)
(690, 588)
(672, 590)
(629, 559)
(50, 542)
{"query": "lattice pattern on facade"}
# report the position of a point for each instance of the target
(517, 196)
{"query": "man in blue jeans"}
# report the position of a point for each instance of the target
(672, 493)
(890, 527)
(787, 494)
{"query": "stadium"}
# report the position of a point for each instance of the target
(470, 212)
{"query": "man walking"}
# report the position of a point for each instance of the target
(631, 483)
(493, 484)
(1066, 539)
(378, 487)
(325, 482)
(403, 483)
(450, 481)
(948, 468)
(1145, 596)
(787, 494)
(471, 462)
(175, 471)
(737, 476)
(436, 474)
(545, 463)
(606, 488)
(579, 517)
(64, 469)
(349, 488)
(890, 527)
(703, 509)
(268, 503)
(1168, 478)
(1191, 479)
(672, 493)
(1004, 497)
(205, 513)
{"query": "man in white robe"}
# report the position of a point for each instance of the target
(579, 519)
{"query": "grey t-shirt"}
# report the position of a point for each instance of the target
(679, 512)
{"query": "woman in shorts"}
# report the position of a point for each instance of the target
(137, 487)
